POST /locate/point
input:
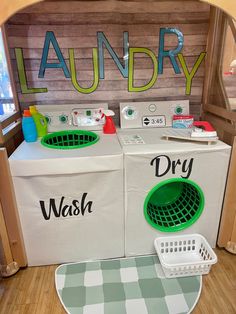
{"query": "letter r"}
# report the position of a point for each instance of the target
(169, 53)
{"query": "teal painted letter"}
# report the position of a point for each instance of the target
(50, 38)
(102, 41)
(172, 54)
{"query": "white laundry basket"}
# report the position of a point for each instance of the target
(184, 255)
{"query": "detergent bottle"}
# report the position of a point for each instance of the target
(29, 127)
(109, 126)
(40, 121)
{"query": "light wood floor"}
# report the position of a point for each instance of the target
(32, 290)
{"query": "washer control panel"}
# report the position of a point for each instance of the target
(87, 117)
(151, 114)
(78, 116)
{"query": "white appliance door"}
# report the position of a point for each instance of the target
(71, 217)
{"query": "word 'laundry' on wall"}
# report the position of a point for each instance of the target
(109, 51)
(126, 70)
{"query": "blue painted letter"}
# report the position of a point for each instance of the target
(169, 53)
(102, 40)
(50, 38)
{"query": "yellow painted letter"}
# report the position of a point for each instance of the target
(73, 73)
(189, 76)
(22, 75)
(152, 81)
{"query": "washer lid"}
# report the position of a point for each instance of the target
(34, 159)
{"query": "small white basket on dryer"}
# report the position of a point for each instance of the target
(184, 255)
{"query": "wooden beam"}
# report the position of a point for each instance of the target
(10, 119)
(229, 208)
(214, 89)
(7, 256)
(225, 5)
(8, 266)
(8, 8)
(9, 66)
(10, 212)
(10, 131)
(232, 25)
(219, 123)
(221, 112)
(212, 39)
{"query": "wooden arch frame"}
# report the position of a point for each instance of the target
(8, 8)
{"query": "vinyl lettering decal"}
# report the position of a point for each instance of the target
(163, 165)
(63, 209)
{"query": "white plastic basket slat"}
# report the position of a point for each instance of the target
(184, 255)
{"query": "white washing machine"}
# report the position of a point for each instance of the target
(171, 186)
(70, 201)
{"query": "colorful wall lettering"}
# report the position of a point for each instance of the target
(126, 69)
(71, 52)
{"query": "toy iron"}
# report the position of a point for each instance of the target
(203, 129)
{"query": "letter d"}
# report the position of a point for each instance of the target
(162, 165)
(131, 87)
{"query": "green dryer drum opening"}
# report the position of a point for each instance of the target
(174, 205)
(69, 139)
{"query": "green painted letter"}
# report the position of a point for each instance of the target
(152, 81)
(189, 76)
(22, 75)
(73, 73)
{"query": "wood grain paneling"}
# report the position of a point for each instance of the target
(113, 85)
(75, 25)
(117, 7)
(85, 53)
(109, 18)
(114, 74)
(86, 64)
(91, 41)
(111, 30)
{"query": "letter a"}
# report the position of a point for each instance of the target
(50, 38)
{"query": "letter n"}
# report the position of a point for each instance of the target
(102, 40)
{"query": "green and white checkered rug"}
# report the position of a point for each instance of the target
(120, 286)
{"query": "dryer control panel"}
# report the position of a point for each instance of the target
(155, 114)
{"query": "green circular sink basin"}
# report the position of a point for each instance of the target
(69, 139)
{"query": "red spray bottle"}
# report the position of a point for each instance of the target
(109, 126)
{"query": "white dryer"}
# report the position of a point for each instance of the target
(70, 201)
(171, 186)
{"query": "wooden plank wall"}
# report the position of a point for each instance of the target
(75, 24)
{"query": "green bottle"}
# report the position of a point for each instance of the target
(39, 120)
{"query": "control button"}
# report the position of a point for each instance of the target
(130, 112)
(146, 121)
(152, 108)
(88, 113)
(178, 109)
(48, 119)
(63, 118)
